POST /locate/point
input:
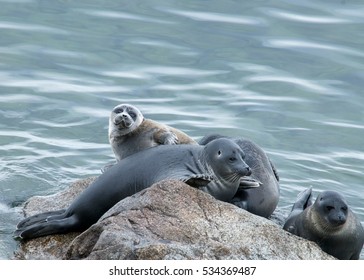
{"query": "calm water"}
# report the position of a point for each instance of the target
(287, 74)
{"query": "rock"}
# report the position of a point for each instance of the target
(170, 220)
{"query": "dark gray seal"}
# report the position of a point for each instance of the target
(260, 201)
(215, 168)
(129, 132)
(329, 222)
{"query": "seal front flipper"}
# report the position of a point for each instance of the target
(199, 180)
(46, 228)
(38, 218)
(165, 137)
(248, 182)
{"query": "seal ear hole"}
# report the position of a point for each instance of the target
(219, 153)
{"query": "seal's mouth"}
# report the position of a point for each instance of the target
(247, 182)
(123, 121)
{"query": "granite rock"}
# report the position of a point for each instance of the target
(169, 220)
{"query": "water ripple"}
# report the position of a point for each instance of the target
(55, 82)
(30, 50)
(195, 86)
(306, 18)
(310, 85)
(292, 44)
(217, 17)
(343, 124)
(31, 28)
(149, 72)
(121, 15)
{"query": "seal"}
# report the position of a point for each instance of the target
(215, 168)
(329, 222)
(129, 132)
(260, 201)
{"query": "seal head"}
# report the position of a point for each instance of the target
(226, 160)
(124, 119)
(329, 222)
(332, 210)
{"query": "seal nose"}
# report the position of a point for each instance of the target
(248, 171)
(118, 119)
(341, 219)
(338, 219)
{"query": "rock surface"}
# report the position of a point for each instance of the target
(169, 220)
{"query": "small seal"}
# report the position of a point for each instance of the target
(329, 222)
(215, 168)
(260, 201)
(130, 132)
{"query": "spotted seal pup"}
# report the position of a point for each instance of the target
(129, 132)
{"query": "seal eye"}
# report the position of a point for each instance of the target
(345, 208)
(329, 208)
(132, 115)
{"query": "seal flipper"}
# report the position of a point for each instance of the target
(243, 204)
(304, 200)
(47, 228)
(275, 171)
(38, 218)
(207, 139)
(166, 137)
(247, 182)
(198, 180)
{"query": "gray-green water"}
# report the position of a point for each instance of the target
(286, 74)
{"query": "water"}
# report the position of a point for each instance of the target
(286, 74)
